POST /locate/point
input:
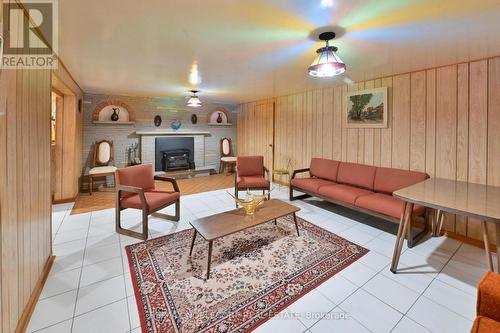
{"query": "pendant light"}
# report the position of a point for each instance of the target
(194, 101)
(327, 62)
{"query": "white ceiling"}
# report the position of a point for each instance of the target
(249, 49)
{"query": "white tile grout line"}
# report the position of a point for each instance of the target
(423, 291)
(81, 272)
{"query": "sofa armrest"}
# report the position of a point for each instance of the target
(295, 172)
(170, 180)
(488, 296)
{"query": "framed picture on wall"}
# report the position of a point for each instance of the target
(367, 108)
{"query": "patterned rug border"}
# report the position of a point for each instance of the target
(273, 313)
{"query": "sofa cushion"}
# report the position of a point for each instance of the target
(485, 325)
(154, 199)
(386, 204)
(358, 175)
(250, 165)
(252, 182)
(388, 180)
(343, 193)
(323, 168)
(310, 184)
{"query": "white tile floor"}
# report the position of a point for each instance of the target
(89, 288)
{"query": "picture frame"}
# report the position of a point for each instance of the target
(367, 108)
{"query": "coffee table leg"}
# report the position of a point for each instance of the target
(209, 258)
(192, 242)
(296, 224)
(275, 222)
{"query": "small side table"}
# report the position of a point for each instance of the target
(280, 173)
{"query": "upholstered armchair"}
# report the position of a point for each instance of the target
(251, 175)
(135, 188)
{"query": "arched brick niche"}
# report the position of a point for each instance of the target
(212, 116)
(113, 103)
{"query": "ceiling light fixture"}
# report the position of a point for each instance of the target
(194, 101)
(327, 62)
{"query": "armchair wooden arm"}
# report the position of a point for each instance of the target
(131, 189)
(168, 179)
(295, 172)
(266, 172)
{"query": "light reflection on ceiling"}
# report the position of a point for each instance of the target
(235, 51)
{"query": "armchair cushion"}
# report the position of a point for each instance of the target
(310, 184)
(386, 204)
(485, 325)
(323, 168)
(252, 182)
(388, 180)
(154, 199)
(138, 176)
(488, 296)
(250, 165)
(358, 175)
(343, 193)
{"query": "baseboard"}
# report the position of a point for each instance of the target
(468, 240)
(62, 201)
(30, 306)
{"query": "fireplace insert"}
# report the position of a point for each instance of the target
(176, 159)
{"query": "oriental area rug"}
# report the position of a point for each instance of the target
(254, 274)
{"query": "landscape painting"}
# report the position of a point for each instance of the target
(367, 108)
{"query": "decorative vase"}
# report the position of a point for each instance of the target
(114, 116)
(219, 118)
(194, 119)
(251, 203)
(157, 121)
(175, 125)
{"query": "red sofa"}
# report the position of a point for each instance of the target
(360, 187)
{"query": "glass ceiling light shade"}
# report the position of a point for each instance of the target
(194, 101)
(327, 63)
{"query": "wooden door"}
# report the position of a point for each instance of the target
(256, 131)
(264, 132)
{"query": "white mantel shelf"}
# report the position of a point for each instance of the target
(166, 133)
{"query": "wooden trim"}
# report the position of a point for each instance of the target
(35, 295)
(61, 201)
(467, 240)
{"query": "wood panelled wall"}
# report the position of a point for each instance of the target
(444, 121)
(25, 200)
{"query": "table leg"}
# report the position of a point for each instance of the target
(209, 258)
(192, 242)
(402, 232)
(296, 224)
(484, 226)
(275, 222)
(497, 226)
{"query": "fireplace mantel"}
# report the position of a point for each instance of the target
(167, 132)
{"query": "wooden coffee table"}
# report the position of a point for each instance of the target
(227, 223)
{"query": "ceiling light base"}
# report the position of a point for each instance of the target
(326, 36)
